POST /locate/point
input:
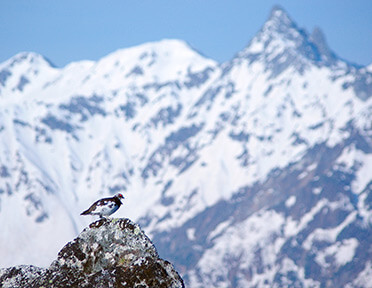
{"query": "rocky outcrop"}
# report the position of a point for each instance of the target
(108, 253)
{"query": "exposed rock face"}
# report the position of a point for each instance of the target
(109, 253)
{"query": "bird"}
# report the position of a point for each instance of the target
(105, 206)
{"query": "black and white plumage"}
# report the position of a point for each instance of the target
(105, 207)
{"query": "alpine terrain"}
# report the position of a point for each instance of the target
(251, 173)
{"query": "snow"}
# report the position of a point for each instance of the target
(317, 190)
(256, 47)
(251, 124)
(328, 235)
(219, 229)
(364, 210)
(364, 279)
(240, 242)
(293, 227)
(290, 201)
(352, 158)
(369, 68)
(190, 234)
(14, 223)
(342, 252)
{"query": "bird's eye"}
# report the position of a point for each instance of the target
(121, 196)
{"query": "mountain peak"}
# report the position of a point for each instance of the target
(166, 49)
(29, 57)
(278, 12)
(281, 44)
(277, 36)
(319, 40)
(279, 20)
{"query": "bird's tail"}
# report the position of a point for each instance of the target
(86, 212)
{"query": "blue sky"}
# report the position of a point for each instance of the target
(73, 30)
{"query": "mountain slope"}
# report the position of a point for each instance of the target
(250, 173)
(300, 161)
(66, 141)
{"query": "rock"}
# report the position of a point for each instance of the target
(108, 253)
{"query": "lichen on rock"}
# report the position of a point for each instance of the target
(108, 253)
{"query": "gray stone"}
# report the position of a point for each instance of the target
(108, 253)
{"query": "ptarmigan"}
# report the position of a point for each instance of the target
(105, 207)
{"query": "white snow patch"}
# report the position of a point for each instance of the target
(293, 227)
(291, 201)
(240, 242)
(351, 158)
(364, 279)
(190, 234)
(219, 229)
(302, 175)
(342, 252)
(317, 190)
(328, 235)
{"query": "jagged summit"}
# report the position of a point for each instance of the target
(281, 44)
(279, 21)
(318, 38)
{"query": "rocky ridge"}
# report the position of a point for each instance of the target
(108, 253)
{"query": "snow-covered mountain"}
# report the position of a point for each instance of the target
(255, 172)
